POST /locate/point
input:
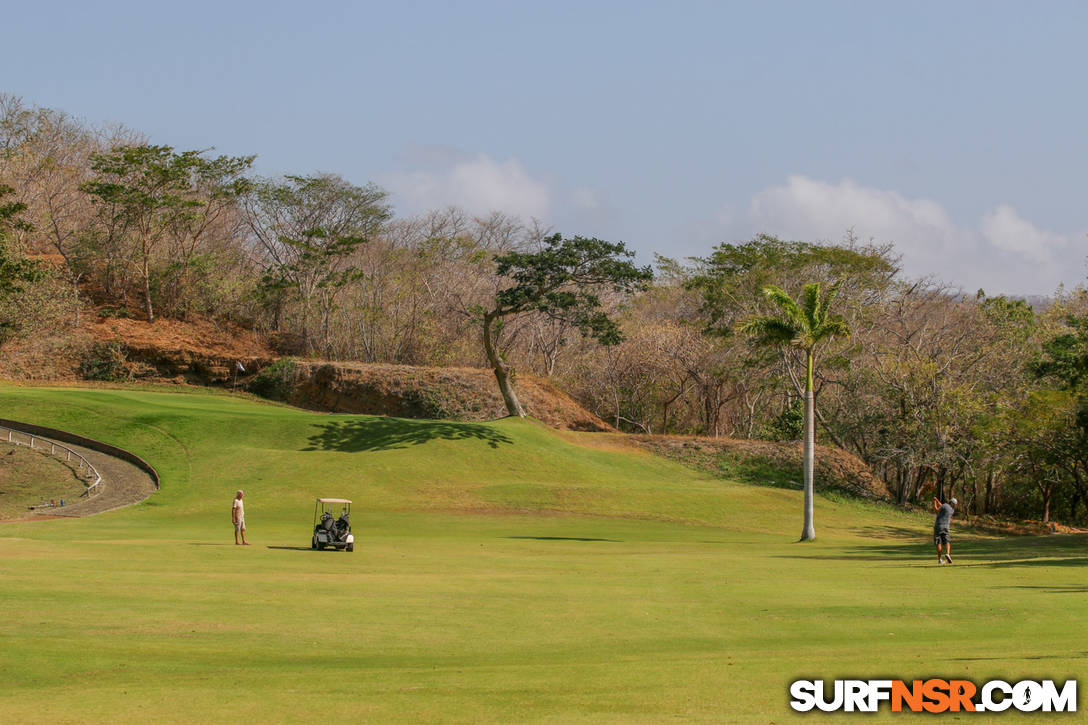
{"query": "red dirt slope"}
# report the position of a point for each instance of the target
(196, 350)
(424, 392)
(204, 352)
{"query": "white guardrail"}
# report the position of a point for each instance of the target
(56, 449)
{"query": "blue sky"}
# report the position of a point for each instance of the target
(956, 130)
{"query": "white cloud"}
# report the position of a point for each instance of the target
(1007, 230)
(1005, 253)
(479, 184)
(810, 209)
(434, 177)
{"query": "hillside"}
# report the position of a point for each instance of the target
(408, 391)
(769, 463)
(202, 442)
(204, 352)
(199, 350)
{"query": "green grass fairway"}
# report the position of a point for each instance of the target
(503, 572)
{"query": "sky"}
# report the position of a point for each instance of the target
(956, 129)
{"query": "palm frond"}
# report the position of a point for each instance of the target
(770, 330)
(781, 299)
(835, 327)
(810, 304)
(825, 303)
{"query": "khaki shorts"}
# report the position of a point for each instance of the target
(240, 525)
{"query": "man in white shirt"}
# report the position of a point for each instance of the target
(238, 513)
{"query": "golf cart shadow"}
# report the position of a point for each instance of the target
(383, 434)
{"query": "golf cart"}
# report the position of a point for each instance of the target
(330, 530)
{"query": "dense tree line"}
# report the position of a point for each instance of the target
(939, 391)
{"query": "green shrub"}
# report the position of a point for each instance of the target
(104, 361)
(789, 425)
(429, 403)
(275, 381)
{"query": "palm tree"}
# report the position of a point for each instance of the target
(803, 325)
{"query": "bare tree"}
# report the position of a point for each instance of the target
(310, 228)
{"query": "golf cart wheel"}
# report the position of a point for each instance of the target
(351, 546)
(313, 543)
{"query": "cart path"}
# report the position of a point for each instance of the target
(123, 484)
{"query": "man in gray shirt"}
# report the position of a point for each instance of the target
(941, 526)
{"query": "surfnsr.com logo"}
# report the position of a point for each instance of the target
(933, 695)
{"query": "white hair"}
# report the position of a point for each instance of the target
(239, 492)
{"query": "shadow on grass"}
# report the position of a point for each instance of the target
(1013, 551)
(760, 471)
(291, 548)
(384, 434)
(1071, 655)
(904, 533)
(1041, 561)
(563, 538)
(1053, 589)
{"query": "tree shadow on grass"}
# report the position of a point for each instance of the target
(1040, 561)
(904, 533)
(1003, 658)
(563, 538)
(1053, 588)
(385, 434)
(1012, 551)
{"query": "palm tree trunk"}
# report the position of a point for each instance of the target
(808, 533)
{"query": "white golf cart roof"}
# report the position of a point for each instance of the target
(333, 500)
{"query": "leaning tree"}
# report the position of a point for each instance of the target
(563, 281)
(804, 325)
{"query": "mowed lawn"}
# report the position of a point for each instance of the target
(503, 572)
